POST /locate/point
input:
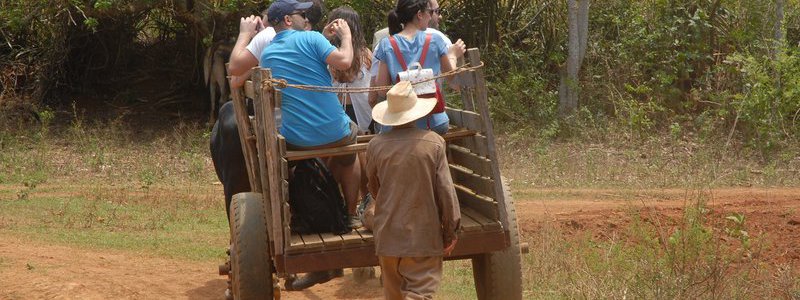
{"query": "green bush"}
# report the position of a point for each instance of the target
(768, 106)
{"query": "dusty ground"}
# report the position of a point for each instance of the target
(32, 270)
(772, 216)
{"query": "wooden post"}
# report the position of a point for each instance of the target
(467, 87)
(273, 160)
(247, 139)
(267, 154)
(482, 106)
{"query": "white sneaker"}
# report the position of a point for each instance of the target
(355, 222)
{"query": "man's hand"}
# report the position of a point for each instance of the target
(458, 48)
(449, 248)
(250, 25)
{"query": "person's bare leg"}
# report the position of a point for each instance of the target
(362, 161)
(349, 177)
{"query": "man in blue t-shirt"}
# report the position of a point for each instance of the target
(313, 120)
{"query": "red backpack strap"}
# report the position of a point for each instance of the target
(425, 49)
(397, 53)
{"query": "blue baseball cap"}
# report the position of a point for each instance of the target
(281, 8)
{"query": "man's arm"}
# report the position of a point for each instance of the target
(372, 173)
(341, 58)
(383, 79)
(372, 97)
(373, 186)
(241, 59)
(449, 60)
(446, 201)
(451, 52)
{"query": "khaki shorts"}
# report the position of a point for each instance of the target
(342, 160)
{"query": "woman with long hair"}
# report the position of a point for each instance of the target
(408, 43)
(355, 105)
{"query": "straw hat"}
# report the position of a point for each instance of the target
(402, 106)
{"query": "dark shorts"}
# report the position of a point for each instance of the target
(342, 160)
(351, 112)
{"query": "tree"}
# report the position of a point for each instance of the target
(778, 25)
(578, 23)
(778, 45)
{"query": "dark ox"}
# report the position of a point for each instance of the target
(215, 75)
(226, 154)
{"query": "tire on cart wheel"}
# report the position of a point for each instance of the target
(251, 265)
(498, 275)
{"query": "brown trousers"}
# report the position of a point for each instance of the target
(410, 277)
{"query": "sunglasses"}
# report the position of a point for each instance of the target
(302, 14)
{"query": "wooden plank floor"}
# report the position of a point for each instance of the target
(472, 222)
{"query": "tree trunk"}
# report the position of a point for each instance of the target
(491, 24)
(778, 26)
(777, 46)
(578, 24)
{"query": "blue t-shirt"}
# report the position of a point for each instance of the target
(309, 118)
(412, 52)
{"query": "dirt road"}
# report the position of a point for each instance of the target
(30, 270)
(33, 270)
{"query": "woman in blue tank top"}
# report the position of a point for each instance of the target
(407, 24)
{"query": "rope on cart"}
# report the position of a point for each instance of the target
(282, 83)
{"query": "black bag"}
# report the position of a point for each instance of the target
(315, 200)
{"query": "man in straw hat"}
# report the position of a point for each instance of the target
(416, 212)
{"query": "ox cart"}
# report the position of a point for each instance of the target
(264, 248)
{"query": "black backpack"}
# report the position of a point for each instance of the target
(315, 200)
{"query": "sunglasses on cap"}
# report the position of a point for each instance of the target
(301, 13)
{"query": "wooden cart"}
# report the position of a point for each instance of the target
(264, 247)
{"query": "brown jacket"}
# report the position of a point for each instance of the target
(416, 209)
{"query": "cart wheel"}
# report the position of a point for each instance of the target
(498, 275)
(251, 265)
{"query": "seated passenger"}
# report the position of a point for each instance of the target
(312, 119)
(357, 76)
(226, 149)
(408, 43)
(356, 105)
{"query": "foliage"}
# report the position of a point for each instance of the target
(769, 104)
(51, 49)
(708, 66)
(684, 66)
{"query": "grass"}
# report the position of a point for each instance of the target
(107, 185)
(457, 282)
(608, 158)
(161, 220)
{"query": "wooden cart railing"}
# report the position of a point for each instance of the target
(473, 165)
